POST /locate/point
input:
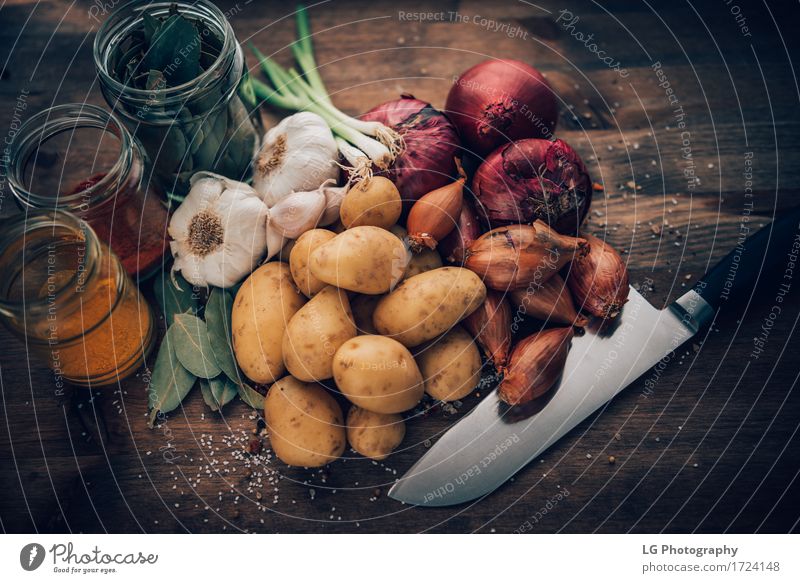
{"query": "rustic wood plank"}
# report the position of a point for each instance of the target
(83, 461)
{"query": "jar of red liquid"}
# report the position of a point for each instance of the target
(79, 158)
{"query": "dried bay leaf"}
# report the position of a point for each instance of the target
(170, 382)
(193, 348)
(223, 389)
(251, 396)
(172, 300)
(218, 320)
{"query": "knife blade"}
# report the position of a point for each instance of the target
(492, 443)
(489, 445)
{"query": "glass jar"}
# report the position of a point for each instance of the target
(79, 158)
(67, 295)
(202, 124)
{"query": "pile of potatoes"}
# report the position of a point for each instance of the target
(358, 308)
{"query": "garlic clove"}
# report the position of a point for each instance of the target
(334, 195)
(275, 242)
(297, 213)
(535, 365)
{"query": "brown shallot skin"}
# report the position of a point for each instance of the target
(599, 280)
(550, 302)
(490, 325)
(519, 255)
(535, 365)
(436, 214)
(453, 248)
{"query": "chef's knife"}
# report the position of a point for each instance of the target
(491, 444)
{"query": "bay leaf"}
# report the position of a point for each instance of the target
(218, 320)
(172, 300)
(223, 389)
(170, 382)
(251, 396)
(208, 396)
(193, 348)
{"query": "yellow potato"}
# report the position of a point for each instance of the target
(367, 260)
(425, 260)
(363, 307)
(377, 374)
(374, 435)
(374, 202)
(299, 258)
(450, 365)
(429, 304)
(304, 422)
(262, 309)
(316, 332)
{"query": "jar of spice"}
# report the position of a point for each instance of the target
(67, 295)
(175, 74)
(81, 159)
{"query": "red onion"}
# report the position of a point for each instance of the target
(534, 179)
(453, 248)
(431, 144)
(501, 101)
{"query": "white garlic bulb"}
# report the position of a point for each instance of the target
(297, 155)
(218, 232)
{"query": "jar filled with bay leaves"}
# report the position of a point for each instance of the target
(67, 295)
(176, 75)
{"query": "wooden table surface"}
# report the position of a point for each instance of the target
(707, 444)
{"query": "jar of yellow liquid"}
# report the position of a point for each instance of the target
(67, 296)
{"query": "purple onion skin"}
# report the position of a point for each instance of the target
(499, 101)
(432, 144)
(534, 179)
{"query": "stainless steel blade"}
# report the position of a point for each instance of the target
(489, 446)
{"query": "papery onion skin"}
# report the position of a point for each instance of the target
(453, 248)
(550, 302)
(535, 365)
(490, 325)
(534, 179)
(500, 101)
(599, 280)
(431, 145)
(517, 256)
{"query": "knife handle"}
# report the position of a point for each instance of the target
(754, 258)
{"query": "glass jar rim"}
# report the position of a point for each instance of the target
(110, 30)
(51, 122)
(23, 224)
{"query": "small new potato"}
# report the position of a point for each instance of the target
(450, 365)
(377, 374)
(374, 201)
(304, 422)
(264, 304)
(425, 260)
(374, 435)
(315, 332)
(300, 256)
(367, 260)
(429, 304)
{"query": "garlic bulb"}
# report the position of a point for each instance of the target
(218, 233)
(298, 155)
